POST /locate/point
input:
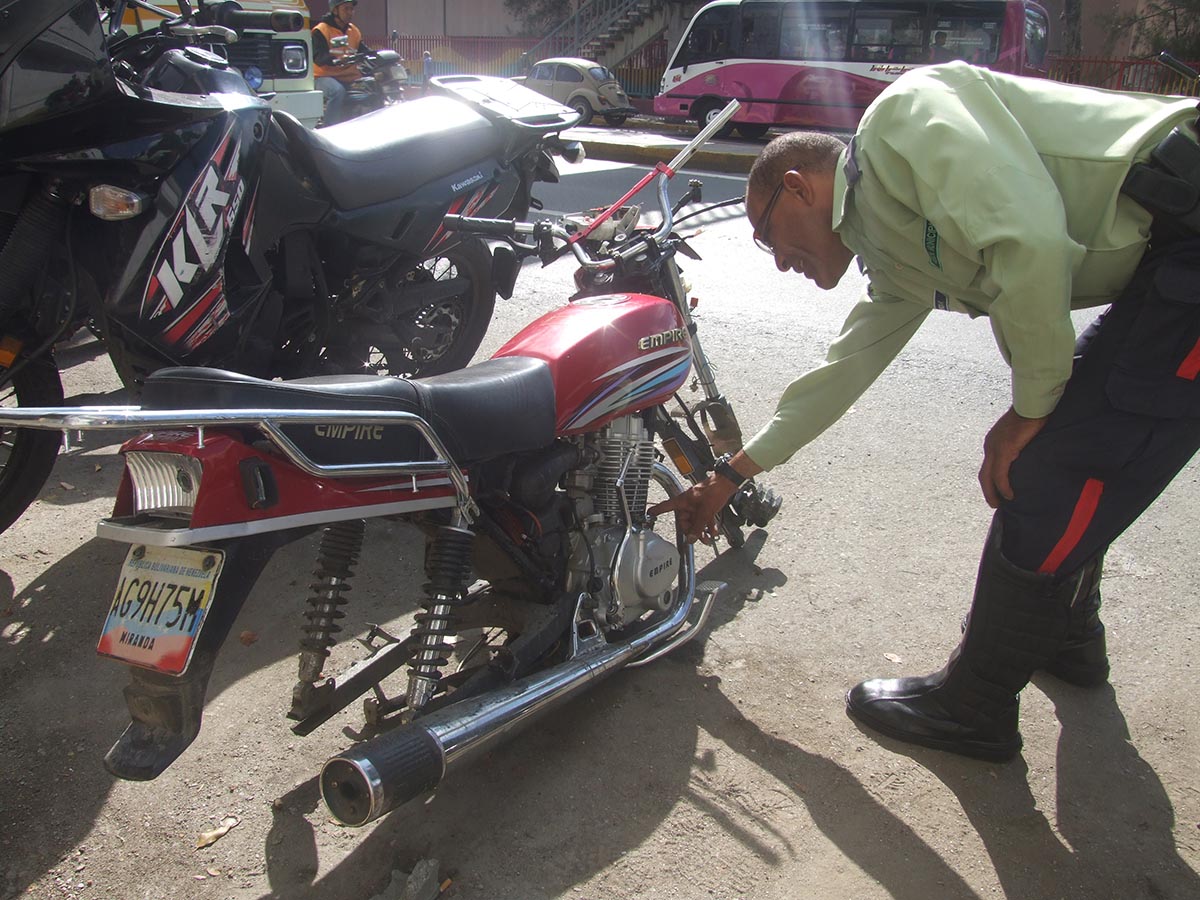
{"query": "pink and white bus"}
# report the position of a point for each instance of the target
(819, 63)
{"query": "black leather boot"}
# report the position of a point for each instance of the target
(1017, 624)
(1083, 658)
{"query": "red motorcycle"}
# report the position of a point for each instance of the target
(531, 471)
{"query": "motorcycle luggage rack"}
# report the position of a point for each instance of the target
(501, 98)
(268, 421)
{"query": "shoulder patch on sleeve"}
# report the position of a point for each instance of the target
(931, 245)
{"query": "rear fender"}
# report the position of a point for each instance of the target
(165, 711)
(244, 490)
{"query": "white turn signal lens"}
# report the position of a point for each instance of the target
(113, 203)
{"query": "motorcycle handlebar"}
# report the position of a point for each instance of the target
(497, 227)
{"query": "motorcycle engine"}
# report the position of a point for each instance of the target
(622, 563)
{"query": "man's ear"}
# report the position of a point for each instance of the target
(801, 185)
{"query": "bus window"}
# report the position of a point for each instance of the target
(969, 31)
(1037, 31)
(814, 31)
(889, 32)
(759, 38)
(710, 36)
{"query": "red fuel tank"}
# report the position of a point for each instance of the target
(609, 355)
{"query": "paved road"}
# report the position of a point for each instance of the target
(728, 770)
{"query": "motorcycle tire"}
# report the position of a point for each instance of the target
(443, 336)
(27, 456)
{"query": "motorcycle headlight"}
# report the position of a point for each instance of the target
(295, 59)
(253, 76)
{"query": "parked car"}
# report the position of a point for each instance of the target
(582, 84)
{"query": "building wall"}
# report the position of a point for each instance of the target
(464, 18)
(1095, 35)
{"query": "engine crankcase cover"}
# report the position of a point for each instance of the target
(646, 571)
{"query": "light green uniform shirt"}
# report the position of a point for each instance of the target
(985, 194)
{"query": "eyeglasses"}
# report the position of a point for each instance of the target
(763, 239)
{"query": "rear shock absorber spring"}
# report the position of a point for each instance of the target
(340, 546)
(448, 567)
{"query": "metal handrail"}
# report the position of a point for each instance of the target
(267, 421)
(588, 22)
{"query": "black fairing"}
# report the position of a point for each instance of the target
(195, 71)
(53, 63)
(169, 286)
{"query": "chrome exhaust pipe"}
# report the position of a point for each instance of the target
(366, 781)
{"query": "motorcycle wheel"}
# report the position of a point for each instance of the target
(26, 455)
(440, 337)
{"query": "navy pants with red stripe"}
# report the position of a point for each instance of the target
(1128, 421)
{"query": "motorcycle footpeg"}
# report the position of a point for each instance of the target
(755, 504)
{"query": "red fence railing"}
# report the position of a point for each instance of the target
(1145, 75)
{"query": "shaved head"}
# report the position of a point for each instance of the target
(809, 152)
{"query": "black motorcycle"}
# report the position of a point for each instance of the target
(147, 192)
(383, 78)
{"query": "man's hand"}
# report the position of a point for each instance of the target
(1001, 447)
(696, 509)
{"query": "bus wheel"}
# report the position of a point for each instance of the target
(752, 130)
(706, 111)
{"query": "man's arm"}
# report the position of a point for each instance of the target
(875, 331)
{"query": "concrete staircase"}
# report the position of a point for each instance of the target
(610, 31)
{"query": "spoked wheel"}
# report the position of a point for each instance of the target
(27, 455)
(438, 338)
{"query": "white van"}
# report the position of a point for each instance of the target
(283, 61)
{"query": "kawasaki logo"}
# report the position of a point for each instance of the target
(474, 179)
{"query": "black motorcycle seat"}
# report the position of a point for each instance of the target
(391, 152)
(481, 412)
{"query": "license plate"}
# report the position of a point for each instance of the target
(159, 606)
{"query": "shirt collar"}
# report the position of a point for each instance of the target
(845, 176)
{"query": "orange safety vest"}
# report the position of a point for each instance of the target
(330, 33)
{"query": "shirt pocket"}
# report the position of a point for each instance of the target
(1157, 368)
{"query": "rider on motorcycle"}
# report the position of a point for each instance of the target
(334, 38)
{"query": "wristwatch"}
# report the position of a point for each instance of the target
(728, 472)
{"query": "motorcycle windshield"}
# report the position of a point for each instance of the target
(53, 60)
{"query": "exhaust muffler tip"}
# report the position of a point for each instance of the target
(363, 783)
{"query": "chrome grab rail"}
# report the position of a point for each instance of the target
(267, 421)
